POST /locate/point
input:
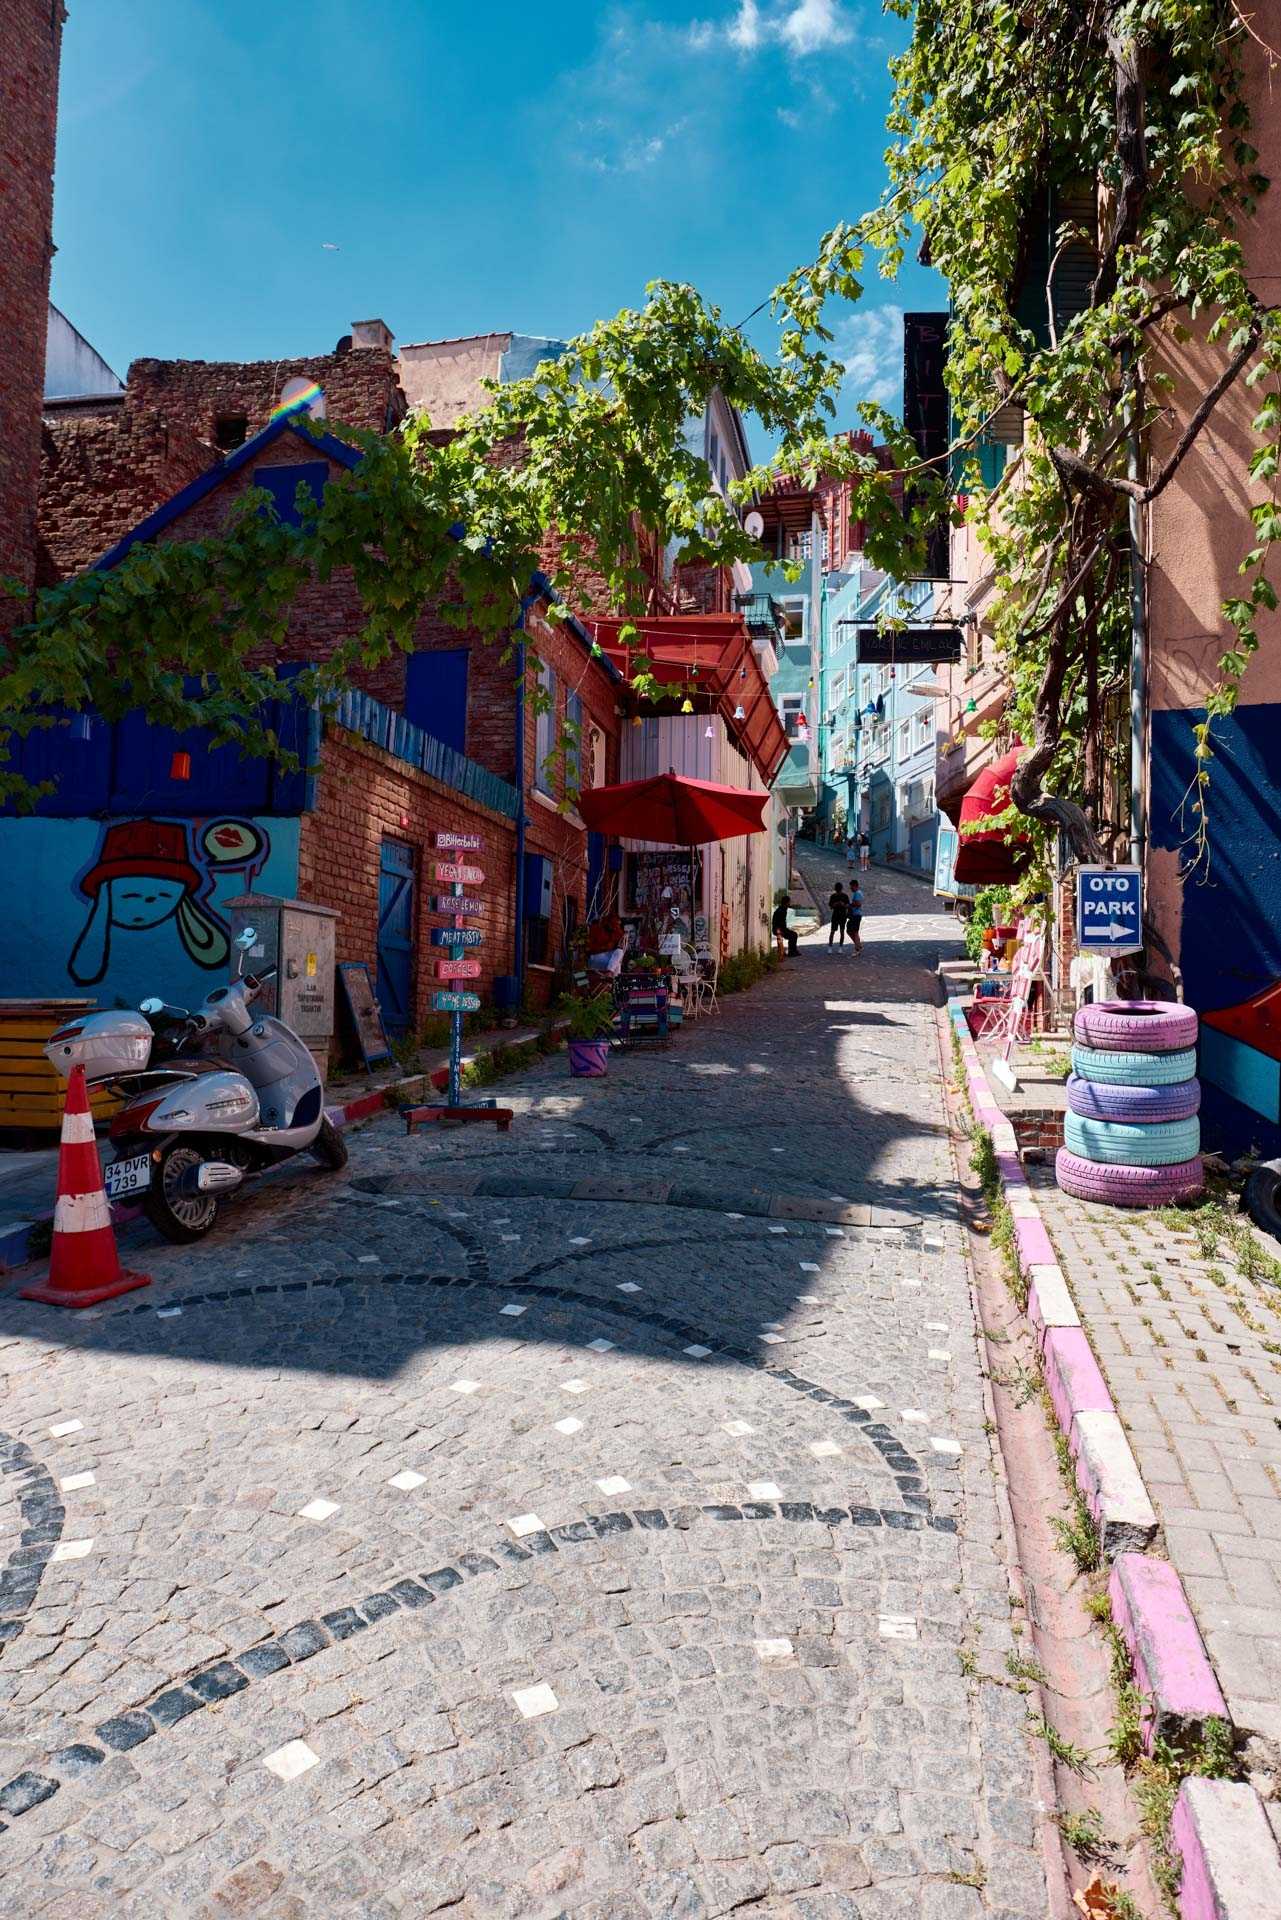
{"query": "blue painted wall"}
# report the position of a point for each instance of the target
(1230, 950)
(116, 909)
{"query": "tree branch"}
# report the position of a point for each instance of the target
(1129, 60)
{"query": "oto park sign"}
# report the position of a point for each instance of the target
(1109, 909)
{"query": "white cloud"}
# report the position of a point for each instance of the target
(870, 343)
(789, 117)
(745, 31)
(802, 26)
(636, 155)
(814, 25)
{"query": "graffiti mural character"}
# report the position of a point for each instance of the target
(143, 876)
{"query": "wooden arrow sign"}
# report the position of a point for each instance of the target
(458, 969)
(458, 842)
(457, 937)
(458, 903)
(447, 1002)
(447, 873)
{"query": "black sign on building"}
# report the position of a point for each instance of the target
(926, 413)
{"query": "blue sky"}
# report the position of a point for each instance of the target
(241, 179)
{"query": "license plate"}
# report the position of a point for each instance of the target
(128, 1176)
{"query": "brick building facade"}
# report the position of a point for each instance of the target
(364, 797)
(106, 464)
(30, 48)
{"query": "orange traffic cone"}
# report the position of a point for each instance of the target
(84, 1266)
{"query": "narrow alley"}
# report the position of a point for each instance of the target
(584, 1520)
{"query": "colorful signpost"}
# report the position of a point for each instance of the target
(457, 938)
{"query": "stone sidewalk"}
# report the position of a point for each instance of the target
(444, 1535)
(1190, 1342)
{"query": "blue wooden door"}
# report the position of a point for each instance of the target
(396, 936)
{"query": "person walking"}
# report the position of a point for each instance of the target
(855, 916)
(781, 929)
(851, 854)
(864, 849)
(838, 906)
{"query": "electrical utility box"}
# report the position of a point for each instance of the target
(297, 938)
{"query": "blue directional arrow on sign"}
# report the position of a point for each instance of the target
(457, 937)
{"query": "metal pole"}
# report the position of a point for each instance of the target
(456, 1024)
(1138, 647)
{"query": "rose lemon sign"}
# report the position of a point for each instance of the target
(457, 941)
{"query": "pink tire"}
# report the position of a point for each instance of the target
(1138, 1026)
(1128, 1186)
(1133, 1106)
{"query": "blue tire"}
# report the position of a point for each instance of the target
(1108, 1143)
(1133, 1106)
(1134, 1069)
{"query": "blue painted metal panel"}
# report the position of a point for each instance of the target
(123, 766)
(1230, 928)
(282, 483)
(436, 694)
(1241, 1071)
(396, 936)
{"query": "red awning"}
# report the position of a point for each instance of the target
(989, 858)
(673, 811)
(711, 657)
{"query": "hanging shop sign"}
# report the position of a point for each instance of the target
(909, 647)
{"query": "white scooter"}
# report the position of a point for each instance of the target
(210, 1097)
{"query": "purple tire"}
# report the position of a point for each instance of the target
(1136, 1026)
(1133, 1106)
(1128, 1186)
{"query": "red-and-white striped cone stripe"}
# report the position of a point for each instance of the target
(84, 1266)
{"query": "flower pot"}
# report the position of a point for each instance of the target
(588, 1058)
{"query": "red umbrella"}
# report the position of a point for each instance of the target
(673, 811)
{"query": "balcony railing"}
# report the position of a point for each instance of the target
(762, 614)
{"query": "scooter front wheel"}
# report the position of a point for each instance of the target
(329, 1147)
(173, 1208)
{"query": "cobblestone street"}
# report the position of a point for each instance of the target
(583, 1521)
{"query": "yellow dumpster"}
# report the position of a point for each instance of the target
(31, 1092)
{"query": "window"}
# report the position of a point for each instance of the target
(883, 680)
(545, 729)
(574, 747)
(837, 696)
(596, 756)
(231, 430)
(923, 727)
(904, 745)
(793, 708)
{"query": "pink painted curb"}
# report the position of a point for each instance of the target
(1073, 1377)
(1171, 1665)
(1049, 1303)
(1035, 1247)
(1231, 1867)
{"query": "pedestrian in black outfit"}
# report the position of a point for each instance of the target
(781, 929)
(856, 917)
(838, 905)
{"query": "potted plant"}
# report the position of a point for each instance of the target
(590, 1023)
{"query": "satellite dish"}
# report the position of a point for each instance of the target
(300, 388)
(754, 525)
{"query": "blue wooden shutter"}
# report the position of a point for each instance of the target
(436, 694)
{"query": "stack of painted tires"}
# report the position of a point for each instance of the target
(1131, 1134)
